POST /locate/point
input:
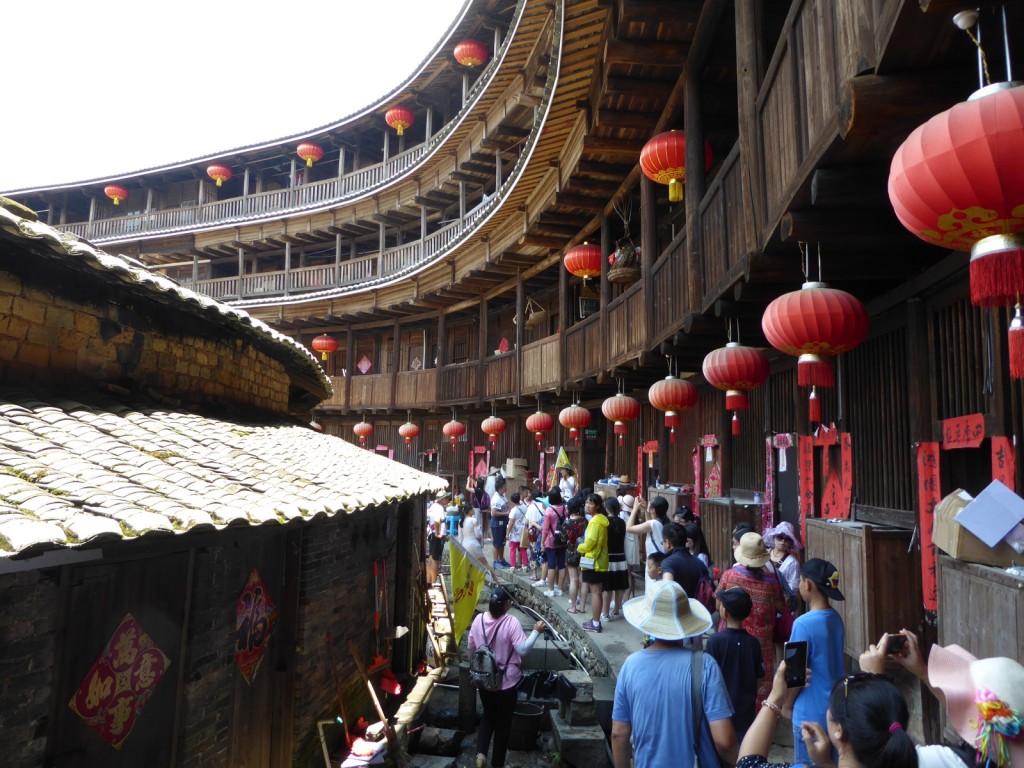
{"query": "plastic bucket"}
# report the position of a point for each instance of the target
(526, 721)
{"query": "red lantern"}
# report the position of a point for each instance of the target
(958, 182)
(584, 261)
(736, 369)
(324, 344)
(539, 423)
(814, 325)
(363, 430)
(399, 118)
(219, 173)
(453, 430)
(576, 418)
(115, 193)
(492, 427)
(408, 431)
(471, 53)
(663, 160)
(673, 396)
(620, 409)
(309, 152)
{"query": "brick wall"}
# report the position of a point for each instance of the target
(28, 615)
(48, 337)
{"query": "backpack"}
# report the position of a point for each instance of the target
(706, 590)
(564, 534)
(484, 670)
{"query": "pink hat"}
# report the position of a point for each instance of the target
(972, 688)
(787, 530)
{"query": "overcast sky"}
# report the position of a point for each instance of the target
(100, 88)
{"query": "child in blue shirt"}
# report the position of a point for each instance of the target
(825, 634)
(739, 656)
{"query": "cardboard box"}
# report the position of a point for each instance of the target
(956, 541)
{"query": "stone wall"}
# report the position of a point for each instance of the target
(47, 336)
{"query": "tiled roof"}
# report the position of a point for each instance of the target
(96, 466)
(17, 227)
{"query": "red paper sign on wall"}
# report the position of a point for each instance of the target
(806, 453)
(963, 431)
(1003, 461)
(928, 495)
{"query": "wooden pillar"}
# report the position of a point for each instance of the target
(357, 155)
(750, 71)
(423, 231)
(195, 269)
(201, 193)
(564, 302)
(92, 209)
(341, 162)
(606, 248)
(462, 200)
(149, 200)
(245, 182)
(337, 259)
(520, 307)
(241, 271)
(381, 242)
(442, 352)
(350, 363)
(497, 170)
(465, 87)
(49, 212)
(482, 348)
(292, 177)
(287, 268)
(497, 40)
(648, 246)
(64, 209)
(387, 145)
(396, 356)
(695, 186)
(259, 181)
(429, 123)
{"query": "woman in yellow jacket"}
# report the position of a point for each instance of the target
(594, 559)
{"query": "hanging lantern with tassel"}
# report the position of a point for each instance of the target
(576, 418)
(621, 409)
(663, 160)
(471, 53)
(324, 344)
(400, 118)
(540, 423)
(115, 193)
(736, 369)
(673, 396)
(219, 173)
(453, 430)
(815, 324)
(309, 152)
(408, 431)
(363, 430)
(584, 261)
(493, 426)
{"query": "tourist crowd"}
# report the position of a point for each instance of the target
(696, 696)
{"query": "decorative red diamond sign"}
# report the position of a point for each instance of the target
(120, 682)
(364, 365)
(255, 614)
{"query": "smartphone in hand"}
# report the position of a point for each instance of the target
(795, 656)
(895, 644)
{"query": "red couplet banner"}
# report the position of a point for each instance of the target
(928, 496)
(805, 450)
(1003, 462)
(963, 431)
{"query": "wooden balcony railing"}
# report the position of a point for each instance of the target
(500, 375)
(319, 194)
(723, 226)
(340, 397)
(542, 365)
(459, 382)
(584, 348)
(415, 389)
(670, 302)
(626, 326)
(370, 391)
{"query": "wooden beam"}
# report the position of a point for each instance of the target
(849, 186)
(585, 202)
(624, 86)
(609, 118)
(608, 146)
(643, 11)
(645, 52)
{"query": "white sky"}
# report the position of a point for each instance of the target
(106, 87)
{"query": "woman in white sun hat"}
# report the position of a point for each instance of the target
(653, 702)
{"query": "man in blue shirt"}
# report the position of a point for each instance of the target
(822, 628)
(653, 694)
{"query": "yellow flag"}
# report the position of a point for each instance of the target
(467, 581)
(563, 460)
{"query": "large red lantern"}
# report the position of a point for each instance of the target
(492, 426)
(540, 423)
(621, 409)
(958, 182)
(363, 430)
(576, 418)
(399, 118)
(471, 53)
(309, 152)
(736, 369)
(115, 193)
(453, 430)
(324, 344)
(673, 396)
(814, 325)
(663, 160)
(408, 431)
(219, 173)
(584, 261)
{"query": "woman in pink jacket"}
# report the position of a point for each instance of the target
(554, 547)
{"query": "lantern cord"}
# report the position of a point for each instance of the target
(803, 259)
(982, 58)
(821, 277)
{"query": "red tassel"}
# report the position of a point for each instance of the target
(672, 435)
(1016, 337)
(814, 403)
(736, 400)
(997, 271)
(815, 371)
(735, 424)
(622, 440)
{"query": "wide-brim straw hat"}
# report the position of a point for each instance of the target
(667, 613)
(627, 501)
(751, 551)
(787, 530)
(960, 675)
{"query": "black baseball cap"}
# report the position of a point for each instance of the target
(824, 575)
(737, 602)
